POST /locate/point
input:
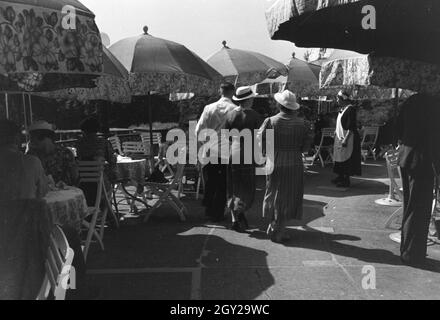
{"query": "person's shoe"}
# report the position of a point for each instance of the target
(337, 180)
(344, 184)
(280, 239)
(243, 221)
(412, 263)
(217, 219)
(236, 226)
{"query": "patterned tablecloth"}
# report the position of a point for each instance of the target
(67, 207)
(131, 170)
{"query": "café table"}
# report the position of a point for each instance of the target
(132, 172)
(67, 207)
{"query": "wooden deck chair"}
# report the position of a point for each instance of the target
(395, 196)
(326, 134)
(193, 173)
(157, 138)
(161, 160)
(92, 172)
(192, 177)
(58, 267)
(136, 149)
(116, 144)
(369, 141)
(164, 194)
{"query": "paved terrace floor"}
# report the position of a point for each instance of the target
(343, 232)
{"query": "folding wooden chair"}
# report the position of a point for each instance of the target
(193, 173)
(157, 139)
(136, 149)
(58, 267)
(395, 196)
(116, 144)
(192, 177)
(369, 141)
(327, 133)
(92, 172)
(164, 193)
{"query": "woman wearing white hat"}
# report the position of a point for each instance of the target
(285, 185)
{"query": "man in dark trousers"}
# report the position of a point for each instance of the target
(214, 118)
(419, 159)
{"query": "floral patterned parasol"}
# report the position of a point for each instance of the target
(38, 54)
(384, 72)
(112, 86)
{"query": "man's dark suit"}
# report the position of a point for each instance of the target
(419, 158)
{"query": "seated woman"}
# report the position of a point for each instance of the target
(58, 161)
(21, 176)
(94, 148)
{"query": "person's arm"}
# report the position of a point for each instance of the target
(262, 135)
(400, 125)
(72, 167)
(41, 181)
(202, 124)
(350, 124)
(307, 139)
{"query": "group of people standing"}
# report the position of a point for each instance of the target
(231, 186)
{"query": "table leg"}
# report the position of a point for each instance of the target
(134, 198)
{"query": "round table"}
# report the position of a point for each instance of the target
(131, 170)
(67, 207)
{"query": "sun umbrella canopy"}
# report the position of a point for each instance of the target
(303, 79)
(407, 29)
(111, 86)
(245, 67)
(371, 70)
(162, 66)
(335, 54)
(42, 49)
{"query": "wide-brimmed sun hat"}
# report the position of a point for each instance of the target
(244, 93)
(288, 100)
(343, 95)
(41, 126)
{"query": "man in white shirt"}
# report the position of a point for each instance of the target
(214, 118)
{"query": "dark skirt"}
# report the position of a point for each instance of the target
(353, 166)
(241, 187)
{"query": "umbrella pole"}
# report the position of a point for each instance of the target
(7, 105)
(150, 119)
(396, 108)
(25, 112)
(30, 109)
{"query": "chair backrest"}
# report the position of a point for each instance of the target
(157, 138)
(136, 147)
(91, 172)
(178, 175)
(392, 158)
(327, 133)
(371, 134)
(58, 266)
(116, 144)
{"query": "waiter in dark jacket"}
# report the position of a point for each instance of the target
(419, 159)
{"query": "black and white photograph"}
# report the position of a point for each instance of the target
(220, 155)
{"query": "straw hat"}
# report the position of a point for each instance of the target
(288, 100)
(244, 93)
(41, 125)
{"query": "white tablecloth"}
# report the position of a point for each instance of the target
(131, 170)
(67, 207)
